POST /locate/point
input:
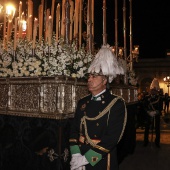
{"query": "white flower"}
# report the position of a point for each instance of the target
(44, 73)
(20, 64)
(132, 78)
(59, 59)
(31, 68)
(80, 63)
(27, 73)
(73, 75)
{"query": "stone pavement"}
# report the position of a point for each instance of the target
(150, 157)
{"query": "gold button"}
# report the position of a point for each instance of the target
(97, 124)
(95, 136)
(103, 102)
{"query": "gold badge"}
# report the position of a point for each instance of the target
(94, 159)
(83, 107)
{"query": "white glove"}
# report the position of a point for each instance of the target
(74, 155)
(78, 161)
(81, 168)
(152, 113)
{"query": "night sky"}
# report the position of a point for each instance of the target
(150, 28)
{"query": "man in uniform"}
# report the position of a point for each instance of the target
(153, 107)
(100, 118)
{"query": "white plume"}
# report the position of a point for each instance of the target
(155, 84)
(106, 63)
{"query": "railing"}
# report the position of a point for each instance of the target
(49, 97)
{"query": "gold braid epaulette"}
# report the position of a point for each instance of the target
(83, 121)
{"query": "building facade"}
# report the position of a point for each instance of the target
(148, 69)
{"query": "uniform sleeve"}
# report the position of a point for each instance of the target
(116, 124)
(75, 131)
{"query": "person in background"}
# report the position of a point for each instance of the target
(153, 107)
(140, 112)
(100, 118)
(166, 102)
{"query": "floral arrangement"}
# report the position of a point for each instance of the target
(57, 59)
(132, 79)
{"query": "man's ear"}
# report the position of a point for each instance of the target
(105, 80)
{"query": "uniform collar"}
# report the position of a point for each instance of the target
(99, 93)
(98, 96)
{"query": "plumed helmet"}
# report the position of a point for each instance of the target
(155, 84)
(105, 63)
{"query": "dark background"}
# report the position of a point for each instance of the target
(150, 26)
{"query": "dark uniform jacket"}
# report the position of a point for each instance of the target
(153, 102)
(106, 130)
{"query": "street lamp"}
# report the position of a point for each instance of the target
(167, 82)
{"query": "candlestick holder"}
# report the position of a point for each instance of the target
(14, 54)
(33, 51)
(49, 53)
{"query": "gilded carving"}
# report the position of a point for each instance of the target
(48, 97)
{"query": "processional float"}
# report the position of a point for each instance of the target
(42, 73)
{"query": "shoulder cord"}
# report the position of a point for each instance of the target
(154, 102)
(84, 118)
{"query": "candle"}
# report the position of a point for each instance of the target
(71, 19)
(9, 29)
(57, 20)
(93, 18)
(30, 27)
(52, 11)
(30, 14)
(46, 25)
(20, 19)
(88, 18)
(76, 19)
(31, 7)
(15, 34)
(20, 9)
(40, 21)
(63, 18)
(49, 30)
(42, 18)
(35, 32)
(4, 31)
(80, 24)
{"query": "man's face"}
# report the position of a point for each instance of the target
(154, 92)
(96, 83)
